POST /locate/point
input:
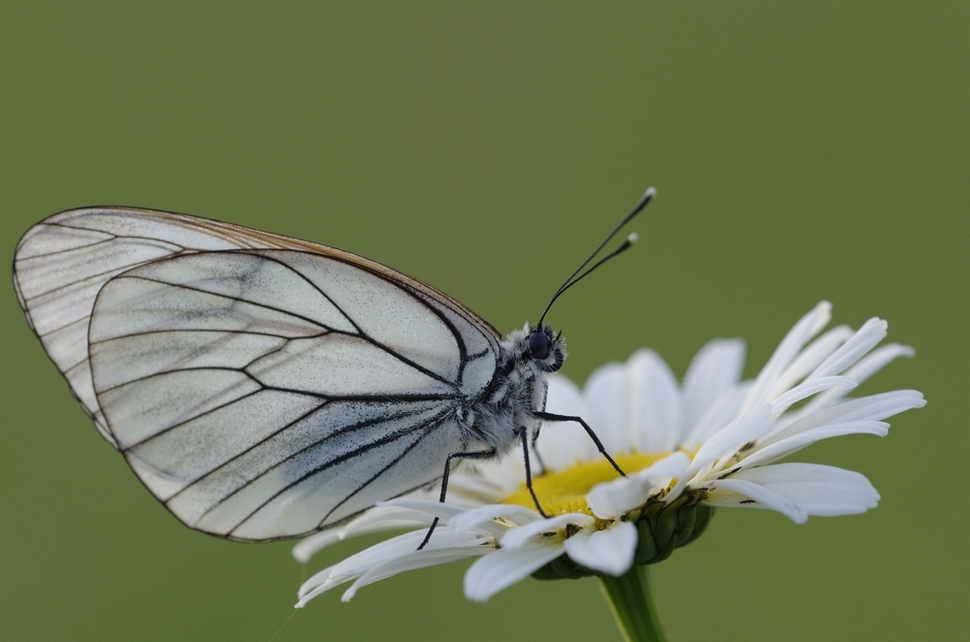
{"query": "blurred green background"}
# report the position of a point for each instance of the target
(801, 152)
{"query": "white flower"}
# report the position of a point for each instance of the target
(712, 441)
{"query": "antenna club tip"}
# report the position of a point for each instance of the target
(632, 238)
(646, 198)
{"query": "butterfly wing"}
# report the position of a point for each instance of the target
(261, 387)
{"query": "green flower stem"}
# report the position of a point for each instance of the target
(632, 605)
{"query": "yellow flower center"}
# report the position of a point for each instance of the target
(565, 491)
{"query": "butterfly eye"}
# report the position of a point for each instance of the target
(539, 345)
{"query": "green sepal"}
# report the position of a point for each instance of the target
(665, 527)
(701, 520)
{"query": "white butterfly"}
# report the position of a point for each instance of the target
(264, 387)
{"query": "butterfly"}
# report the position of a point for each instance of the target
(264, 387)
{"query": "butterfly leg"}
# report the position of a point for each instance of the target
(528, 471)
(548, 416)
(535, 451)
(473, 454)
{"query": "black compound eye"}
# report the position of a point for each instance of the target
(539, 345)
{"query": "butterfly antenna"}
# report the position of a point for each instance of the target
(573, 279)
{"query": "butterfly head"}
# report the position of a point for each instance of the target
(545, 347)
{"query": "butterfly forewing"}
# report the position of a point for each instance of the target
(261, 387)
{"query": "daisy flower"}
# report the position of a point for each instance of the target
(712, 440)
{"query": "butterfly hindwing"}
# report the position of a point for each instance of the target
(261, 387)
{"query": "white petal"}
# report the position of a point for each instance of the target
(431, 508)
(872, 408)
(727, 442)
(313, 583)
(359, 563)
(871, 333)
(715, 370)
(784, 447)
(504, 567)
(673, 465)
(811, 387)
(809, 359)
(428, 556)
(380, 553)
(613, 499)
(877, 360)
(807, 327)
(472, 480)
(320, 590)
(563, 396)
(306, 548)
(563, 444)
(379, 518)
(607, 551)
(521, 536)
(815, 489)
(738, 492)
(860, 372)
(480, 517)
(722, 412)
(486, 482)
(608, 401)
(324, 584)
(447, 548)
(654, 403)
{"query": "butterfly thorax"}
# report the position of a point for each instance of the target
(518, 389)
